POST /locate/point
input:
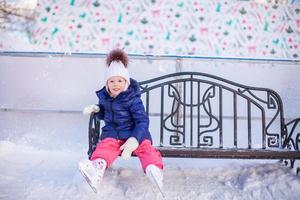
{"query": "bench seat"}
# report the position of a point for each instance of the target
(193, 152)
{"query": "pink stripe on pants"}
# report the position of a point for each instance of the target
(109, 149)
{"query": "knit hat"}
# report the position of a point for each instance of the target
(117, 62)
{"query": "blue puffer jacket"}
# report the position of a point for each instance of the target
(125, 115)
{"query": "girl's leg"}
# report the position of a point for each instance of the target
(108, 149)
(148, 155)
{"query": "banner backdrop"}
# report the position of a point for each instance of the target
(202, 27)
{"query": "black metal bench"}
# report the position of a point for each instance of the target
(197, 115)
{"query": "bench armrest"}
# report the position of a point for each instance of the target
(292, 139)
(94, 133)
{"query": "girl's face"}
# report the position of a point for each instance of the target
(116, 85)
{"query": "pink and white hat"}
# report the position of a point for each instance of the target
(117, 62)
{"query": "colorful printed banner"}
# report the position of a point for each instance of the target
(190, 27)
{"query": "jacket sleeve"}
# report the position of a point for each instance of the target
(100, 114)
(140, 118)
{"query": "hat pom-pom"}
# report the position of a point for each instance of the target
(117, 55)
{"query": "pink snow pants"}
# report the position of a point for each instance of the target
(109, 149)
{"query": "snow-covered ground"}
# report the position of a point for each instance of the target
(28, 172)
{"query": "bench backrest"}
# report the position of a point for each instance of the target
(192, 109)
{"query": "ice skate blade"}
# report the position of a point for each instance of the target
(157, 186)
(94, 188)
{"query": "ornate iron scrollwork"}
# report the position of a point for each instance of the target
(178, 137)
(267, 104)
(273, 103)
(292, 139)
(207, 140)
(178, 127)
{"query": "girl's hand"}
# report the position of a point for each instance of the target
(91, 109)
(128, 147)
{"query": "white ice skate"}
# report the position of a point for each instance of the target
(93, 172)
(155, 175)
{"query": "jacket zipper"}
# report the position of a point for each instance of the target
(113, 121)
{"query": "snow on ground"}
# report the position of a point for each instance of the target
(28, 172)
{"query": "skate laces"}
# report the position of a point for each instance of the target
(100, 166)
(93, 169)
(100, 163)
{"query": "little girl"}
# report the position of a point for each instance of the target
(126, 125)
